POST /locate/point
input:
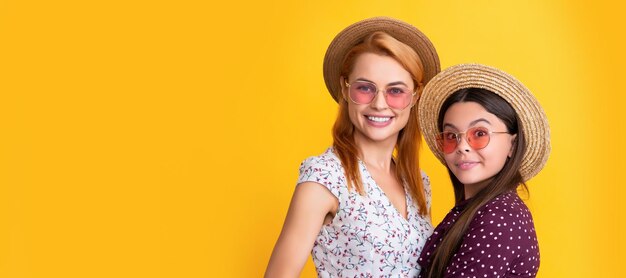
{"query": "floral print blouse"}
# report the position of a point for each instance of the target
(367, 237)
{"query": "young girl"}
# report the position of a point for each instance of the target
(493, 136)
(360, 210)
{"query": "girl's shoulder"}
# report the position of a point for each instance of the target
(506, 213)
(500, 241)
(506, 203)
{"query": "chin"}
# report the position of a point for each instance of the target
(470, 182)
(477, 183)
(378, 135)
(469, 178)
(467, 181)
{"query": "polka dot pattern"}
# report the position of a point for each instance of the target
(500, 241)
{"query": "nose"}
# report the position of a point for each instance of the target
(461, 144)
(379, 102)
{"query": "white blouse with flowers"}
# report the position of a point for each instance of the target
(367, 237)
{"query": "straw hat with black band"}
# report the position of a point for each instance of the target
(532, 116)
(356, 33)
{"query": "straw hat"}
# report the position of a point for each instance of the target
(355, 33)
(532, 116)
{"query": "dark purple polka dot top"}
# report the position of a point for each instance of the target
(500, 241)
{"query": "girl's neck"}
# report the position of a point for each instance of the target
(472, 189)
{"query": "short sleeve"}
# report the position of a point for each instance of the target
(323, 170)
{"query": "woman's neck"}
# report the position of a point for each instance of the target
(376, 154)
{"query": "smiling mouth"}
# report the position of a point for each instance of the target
(378, 119)
(466, 165)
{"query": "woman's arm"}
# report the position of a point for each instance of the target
(311, 204)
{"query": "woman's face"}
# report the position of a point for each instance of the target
(473, 167)
(377, 121)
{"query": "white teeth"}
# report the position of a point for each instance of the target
(378, 119)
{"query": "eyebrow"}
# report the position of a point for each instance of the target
(449, 125)
(389, 84)
(472, 123)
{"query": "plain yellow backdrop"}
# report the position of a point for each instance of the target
(163, 138)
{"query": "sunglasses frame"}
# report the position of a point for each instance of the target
(440, 138)
(348, 85)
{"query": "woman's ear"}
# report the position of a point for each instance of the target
(344, 87)
(513, 142)
(418, 93)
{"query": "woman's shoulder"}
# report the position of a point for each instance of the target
(327, 156)
(327, 159)
(425, 179)
(427, 188)
(324, 169)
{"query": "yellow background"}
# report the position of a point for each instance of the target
(163, 138)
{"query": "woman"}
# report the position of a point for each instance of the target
(360, 210)
(493, 136)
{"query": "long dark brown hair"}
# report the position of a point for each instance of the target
(408, 143)
(509, 178)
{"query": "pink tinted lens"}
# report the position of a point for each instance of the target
(477, 137)
(362, 92)
(365, 92)
(398, 98)
(448, 142)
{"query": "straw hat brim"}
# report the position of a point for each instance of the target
(356, 33)
(533, 118)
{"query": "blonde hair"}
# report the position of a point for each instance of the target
(409, 138)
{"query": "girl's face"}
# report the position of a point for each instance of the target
(377, 121)
(475, 167)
